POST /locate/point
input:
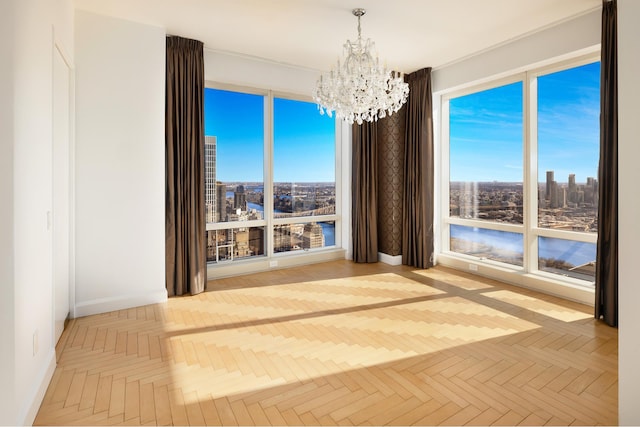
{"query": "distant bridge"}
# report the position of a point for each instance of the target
(327, 210)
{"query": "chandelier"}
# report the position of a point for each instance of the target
(360, 90)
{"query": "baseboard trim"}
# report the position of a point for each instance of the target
(29, 411)
(105, 305)
(388, 259)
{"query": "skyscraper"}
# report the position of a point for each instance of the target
(210, 178)
(221, 201)
(573, 190)
(240, 198)
(550, 180)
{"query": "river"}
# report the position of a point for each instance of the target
(576, 253)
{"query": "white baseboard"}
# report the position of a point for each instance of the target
(388, 259)
(32, 405)
(122, 302)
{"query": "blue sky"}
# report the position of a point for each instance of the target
(486, 129)
(304, 140)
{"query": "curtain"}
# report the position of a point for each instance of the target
(364, 193)
(606, 304)
(417, 215)
(185, 249)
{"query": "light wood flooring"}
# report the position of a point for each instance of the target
(340, 344)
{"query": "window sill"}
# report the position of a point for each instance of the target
(564, 287)
(261, 264)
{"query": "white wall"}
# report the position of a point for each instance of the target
(579, 34)
(245, 71)
(629, 206)
(7, 331)
(28, 28)
(120, 74)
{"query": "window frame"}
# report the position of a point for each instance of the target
(269, 222)
(529, 229)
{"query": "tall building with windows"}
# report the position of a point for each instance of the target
(282, 238)
(573, 190)
(210, 178)
(550, 181)
(221, 202)
(240, 198)
(312, 236)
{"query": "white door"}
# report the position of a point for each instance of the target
(61, 185)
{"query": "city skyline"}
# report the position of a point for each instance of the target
(489, 122)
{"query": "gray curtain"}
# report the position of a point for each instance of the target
(606, 304)
(185, 249)
(364, 204)
(417, 213)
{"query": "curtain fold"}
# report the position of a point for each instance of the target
(417, 215)
(606, 304)
(364, 192)
(185, 244)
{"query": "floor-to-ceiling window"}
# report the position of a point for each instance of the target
(520, 158)
(270, 175)
(304, 176)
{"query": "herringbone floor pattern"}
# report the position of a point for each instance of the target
(340, 344)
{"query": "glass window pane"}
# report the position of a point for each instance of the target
(483, 243)
(568, 148)
(304, 236)
(234, 155)
(567, 257)
(303, 160)
(485, 155)
(235, 243)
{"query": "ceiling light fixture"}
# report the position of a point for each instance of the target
(360, 90)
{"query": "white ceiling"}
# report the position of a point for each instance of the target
(409, 34)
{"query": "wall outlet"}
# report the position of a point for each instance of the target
(473, 267)
(273, 263)
(35, 342)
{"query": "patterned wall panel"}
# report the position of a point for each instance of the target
(391, 131)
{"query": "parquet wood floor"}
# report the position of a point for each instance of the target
(340, 344)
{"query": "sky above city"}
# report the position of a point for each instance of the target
(304, 140)
(486, 129)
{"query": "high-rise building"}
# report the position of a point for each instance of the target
(312, 236)
(554, 194)
(240, 198)
(573, 189)
(221, 202)
(550, 180)
(210, 178)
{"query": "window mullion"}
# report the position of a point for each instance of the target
(444, 183)
(268, 173)
(531, 173)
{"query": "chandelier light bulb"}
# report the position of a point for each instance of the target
(359, 89)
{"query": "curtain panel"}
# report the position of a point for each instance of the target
(185, 250)
(417, 215)
(606, 303)
(364, 220)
